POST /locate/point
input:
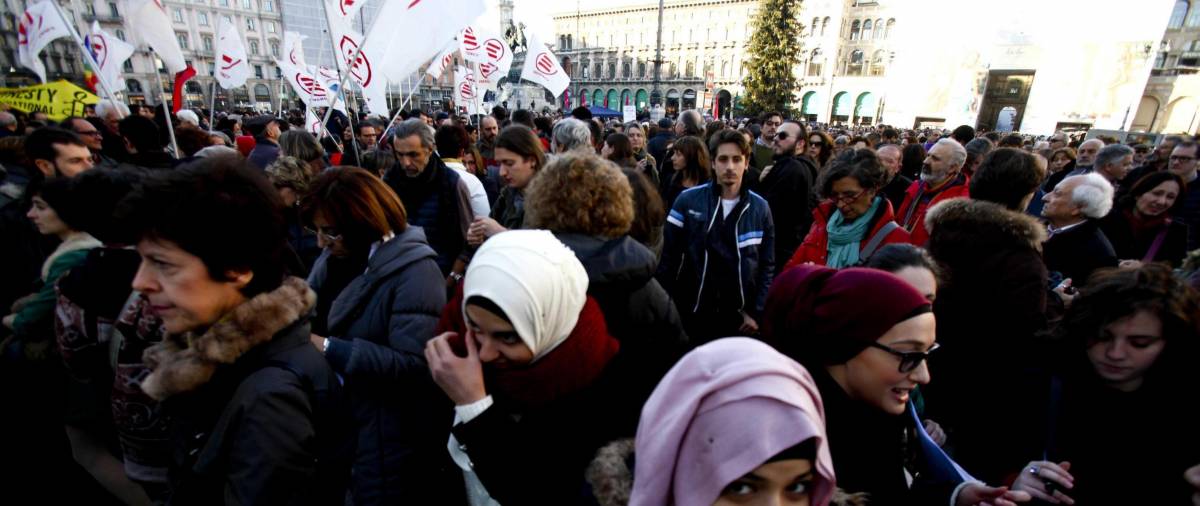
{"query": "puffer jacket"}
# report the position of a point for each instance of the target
(637, 309)
(685, 253)
(378, 327)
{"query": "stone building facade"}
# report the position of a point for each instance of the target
(1171, 101)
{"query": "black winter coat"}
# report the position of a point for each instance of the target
(1117, 229)
(788, 189)
(378, 327)
(270, 428)
(992, 298)
(637, 309)
(1078, 252)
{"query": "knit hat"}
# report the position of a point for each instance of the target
(535, 279)
(725, 409)
(245, 144)
(821, 316)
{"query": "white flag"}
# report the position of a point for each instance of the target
(40, 24)
(110, 53)
(312, 123)
(364, 71)
(466, 89)
(542, 67)
(293, 44)
(442, 61)
(232, 69)
(411, 32)
(330, 79)
(490, 51)
(346, 8)
(310, 89)
(148, 21)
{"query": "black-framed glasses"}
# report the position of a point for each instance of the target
(909, 360)
(1177, 158)
(782, 136)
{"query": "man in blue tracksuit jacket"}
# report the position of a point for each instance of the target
(718, 255)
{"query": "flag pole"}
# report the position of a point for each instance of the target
(166, 112)
(478, 98)
(350, 63)
(90, 58)
(212, 110)
(407, 99)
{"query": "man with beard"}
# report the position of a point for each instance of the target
(890, 156)
(941, 179)
(787, 185)
(764, 149)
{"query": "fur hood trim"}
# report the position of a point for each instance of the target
(967, 217)
(612, 479)
(182, 363)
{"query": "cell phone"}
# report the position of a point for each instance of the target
(458, 344)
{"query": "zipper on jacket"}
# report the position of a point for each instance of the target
(704, 272)
(738, 226)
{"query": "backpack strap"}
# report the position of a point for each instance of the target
(877, 240)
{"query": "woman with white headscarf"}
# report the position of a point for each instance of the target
(528, 363)
(734, 422)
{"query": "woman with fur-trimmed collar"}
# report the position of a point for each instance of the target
(256, 415)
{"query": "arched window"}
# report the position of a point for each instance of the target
(612, 70)
(586, 67)
(890, 26)
(878, 28)
(814, 63)
(877, 63)
(824, 25)
(854, 29)
(133, 85)
(1177, 15)
(570, 42)
(724, 68)
(812, 29)
(855, 66)
(690, 69)
(262, 93)
(866, 32)
(625, 71)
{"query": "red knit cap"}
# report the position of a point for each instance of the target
(822, 316)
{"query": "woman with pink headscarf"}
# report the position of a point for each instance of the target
(734, 422)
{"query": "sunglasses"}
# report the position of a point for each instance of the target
(783, 136)
(816, 143)
(909, 360)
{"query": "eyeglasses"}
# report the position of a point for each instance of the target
(847, 198)
(324, 233)
(909, 360)
(1177, 158)
(93, 133)
(782, 136)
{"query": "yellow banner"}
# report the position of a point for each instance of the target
(58, 99)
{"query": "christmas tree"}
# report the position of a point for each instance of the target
(774, 49)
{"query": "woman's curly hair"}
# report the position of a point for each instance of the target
(580, 193)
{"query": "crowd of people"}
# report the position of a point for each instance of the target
(522, 308)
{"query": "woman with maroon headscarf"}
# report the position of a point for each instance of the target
(866, 363)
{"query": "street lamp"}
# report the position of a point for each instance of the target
(656, 91)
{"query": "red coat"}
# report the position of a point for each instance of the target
(815, 248)
(916, 224)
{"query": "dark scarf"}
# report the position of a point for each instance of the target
(1144, 228)
(574, 365)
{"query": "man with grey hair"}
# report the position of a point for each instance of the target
(942, 178)
(111, 113)
(1076, 246)
(690, 123)
(1114, 163)
(896, 185)
(1084, 161)
(435, 197)
(188, 117)
(8, 124)
(572, 135)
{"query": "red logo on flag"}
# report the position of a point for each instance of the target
(545, 65)
(345, 6)
(361, 68)
(469, 40)
(99, 48)
(230, 63)
(494, 48)
(466, 90)
(309, 86)
(487, 69)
